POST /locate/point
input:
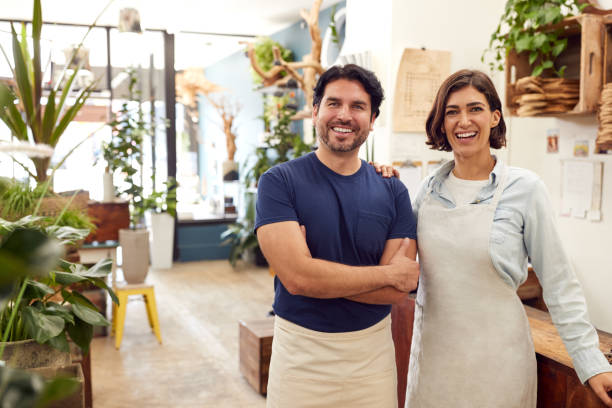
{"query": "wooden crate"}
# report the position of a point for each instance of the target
(583, 58)
(255, 351)
(109, 218)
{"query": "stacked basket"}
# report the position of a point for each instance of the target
(545, 96)
(604, 116)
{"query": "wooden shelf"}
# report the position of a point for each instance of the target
(583, 58)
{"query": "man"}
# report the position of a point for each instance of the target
(341, 240)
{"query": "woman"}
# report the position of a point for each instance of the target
(478, 221)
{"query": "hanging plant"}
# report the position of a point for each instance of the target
(265, 56)
(522, 28)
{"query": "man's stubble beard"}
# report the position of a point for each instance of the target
(357, 142)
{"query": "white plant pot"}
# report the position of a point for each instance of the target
(134, 254)
(109, 188)
(162, 240)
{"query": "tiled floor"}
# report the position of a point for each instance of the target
(199, 305)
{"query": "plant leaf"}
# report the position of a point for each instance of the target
(559, 47)
(547, 64)
(81, 333)
(100, 270)
(22, 78)
(537, 70)
(59, 342)
(55, 309)
(89, 316)
(41, 287)
(533, 55)
(40, 326)
(101, 284)
(67, 278)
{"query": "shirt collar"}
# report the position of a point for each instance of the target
(443, 171)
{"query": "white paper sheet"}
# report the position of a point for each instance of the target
(577, 188)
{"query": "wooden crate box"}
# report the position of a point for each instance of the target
(255, 351)
(583, 58)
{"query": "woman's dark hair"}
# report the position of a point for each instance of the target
(457, 81)
(352, 72)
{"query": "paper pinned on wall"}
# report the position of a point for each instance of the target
(581, 189)
(411, 174)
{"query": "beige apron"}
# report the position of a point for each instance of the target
(471, 345)
(316, 369)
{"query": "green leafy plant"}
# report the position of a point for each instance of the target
(43, 304)
(21, 108)
(124, 151)
(240, 234)
(333, 27)
(280, 145)
(17, 200)
(525, 26)
(163, 201)
(265, 56)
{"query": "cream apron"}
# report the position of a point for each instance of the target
(471, 345)
(316, 369)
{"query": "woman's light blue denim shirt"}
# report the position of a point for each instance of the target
(524, 226)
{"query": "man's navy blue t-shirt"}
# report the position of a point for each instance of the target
(348, 220)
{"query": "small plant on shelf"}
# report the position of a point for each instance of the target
(522, 27)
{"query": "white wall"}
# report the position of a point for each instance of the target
(464, 27)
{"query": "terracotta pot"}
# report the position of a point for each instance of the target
(134, 254)
(29, 354)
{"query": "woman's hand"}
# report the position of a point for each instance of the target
(602, 386)
(385, 170)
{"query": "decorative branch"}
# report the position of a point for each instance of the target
(228, 112)
(310, 64)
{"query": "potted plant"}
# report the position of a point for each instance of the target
(48, 309)
(280, 145)
(162, 205)
(21, 107)
(123, 154)
(21, 388)
(264, 57)
(520, 30)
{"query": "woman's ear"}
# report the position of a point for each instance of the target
(496, 117)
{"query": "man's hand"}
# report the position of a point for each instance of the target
(385, 171)
(406, 270)
(602, 386)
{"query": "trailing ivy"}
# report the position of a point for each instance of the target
(522, 28)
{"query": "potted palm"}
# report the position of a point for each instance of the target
(123, 154)
(21, 107)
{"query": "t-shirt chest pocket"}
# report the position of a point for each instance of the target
(372, 232)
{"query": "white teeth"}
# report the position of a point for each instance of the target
(465, 135)
(342, 130)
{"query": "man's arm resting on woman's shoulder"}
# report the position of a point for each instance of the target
(285, 248)
(389, 295)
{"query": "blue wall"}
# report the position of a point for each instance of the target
(233, 73)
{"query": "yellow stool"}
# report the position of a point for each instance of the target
(123, 291)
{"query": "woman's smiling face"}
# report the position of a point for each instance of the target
(468, 121)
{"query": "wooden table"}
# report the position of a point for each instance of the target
(558, 385)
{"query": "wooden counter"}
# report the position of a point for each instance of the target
(558, 385)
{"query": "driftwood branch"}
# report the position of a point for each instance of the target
(310, 64)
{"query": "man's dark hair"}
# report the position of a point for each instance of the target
(351, 72)
(457, 81)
